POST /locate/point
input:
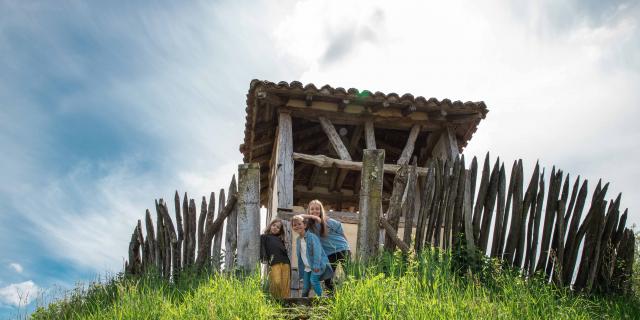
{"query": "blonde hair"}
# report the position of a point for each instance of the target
(324, 230)
(298, 218)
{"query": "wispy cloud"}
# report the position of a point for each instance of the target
(16, 267)
(19, 294)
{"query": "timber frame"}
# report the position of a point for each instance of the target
(309, 141)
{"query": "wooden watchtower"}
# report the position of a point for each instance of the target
(309, 141)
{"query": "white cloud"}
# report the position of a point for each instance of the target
(16, 267)
(19, 294)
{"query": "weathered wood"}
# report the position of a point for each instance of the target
(501, 219)
(516, 217)
(571, 247)
(160, 248)
(133, 266)
(180, 230)
(334, 138)
(458, 213)
(591, 230)
(327, 162)
(435, 205)
(558, 237)
(553, 250)
(468, 215)
(284, 162)
(352, 147)
(488, 206)
(524, 243)
(438, 232)
(369, 135)
(392, 233)
(216, 258)
(201, 222)
(192, 233)
(407, 151)
(479, 204)
(248, 216)
(531, 263)
(395, 204)
(410, 204)
(451, 201)
(171, 255)
(151, 239)
(231, 241)
(624, 267)
(548, 221)
(211, 230)
(607, 249)
(425, 208)
(187, 226)
(447, 145)
(370, 204)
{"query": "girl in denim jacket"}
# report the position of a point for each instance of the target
(313, 264)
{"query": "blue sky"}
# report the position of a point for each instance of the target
(104, 107)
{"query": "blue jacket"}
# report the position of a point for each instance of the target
(316, 256)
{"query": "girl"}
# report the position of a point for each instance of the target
(331, 234)
(313, 264)
(274, 253)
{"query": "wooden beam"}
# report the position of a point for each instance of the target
(352, 146)
(410, 145)
(370, 205)
(369, 134)
(284, 162)
(447, 145)
(334, 138)
(248, 216)
(327, 162)
(393, 236)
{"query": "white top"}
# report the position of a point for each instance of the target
(303, 254)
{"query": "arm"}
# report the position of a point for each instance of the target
(263, 249)
(308, 216)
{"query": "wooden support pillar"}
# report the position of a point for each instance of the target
(369, 134)
(284, 162)
(409, 146)
(334, 138)
(447, 145)
(248, 216)
(231, 241)
(370, 204)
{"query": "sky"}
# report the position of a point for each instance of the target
(105, 107)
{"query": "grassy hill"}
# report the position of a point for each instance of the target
(391, 287)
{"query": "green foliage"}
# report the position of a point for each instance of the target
(390, 286)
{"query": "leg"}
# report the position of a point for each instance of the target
(306, 283)
(333, 261)
(315, 283)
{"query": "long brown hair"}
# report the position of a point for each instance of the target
(324, 230)
(280, 234)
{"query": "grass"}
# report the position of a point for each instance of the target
(389, 287)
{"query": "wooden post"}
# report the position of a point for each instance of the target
(231, 241)
(447, 145)
(334, 138)
(369, 135)
(410, 145)
(370, 204)
(217, 240)
(248, 216)
(284, 161)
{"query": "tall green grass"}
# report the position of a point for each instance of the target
(427, 286)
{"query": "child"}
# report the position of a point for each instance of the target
(331, 235)
(274, 252)
(313, 264)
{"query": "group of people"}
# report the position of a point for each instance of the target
(321, 245)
